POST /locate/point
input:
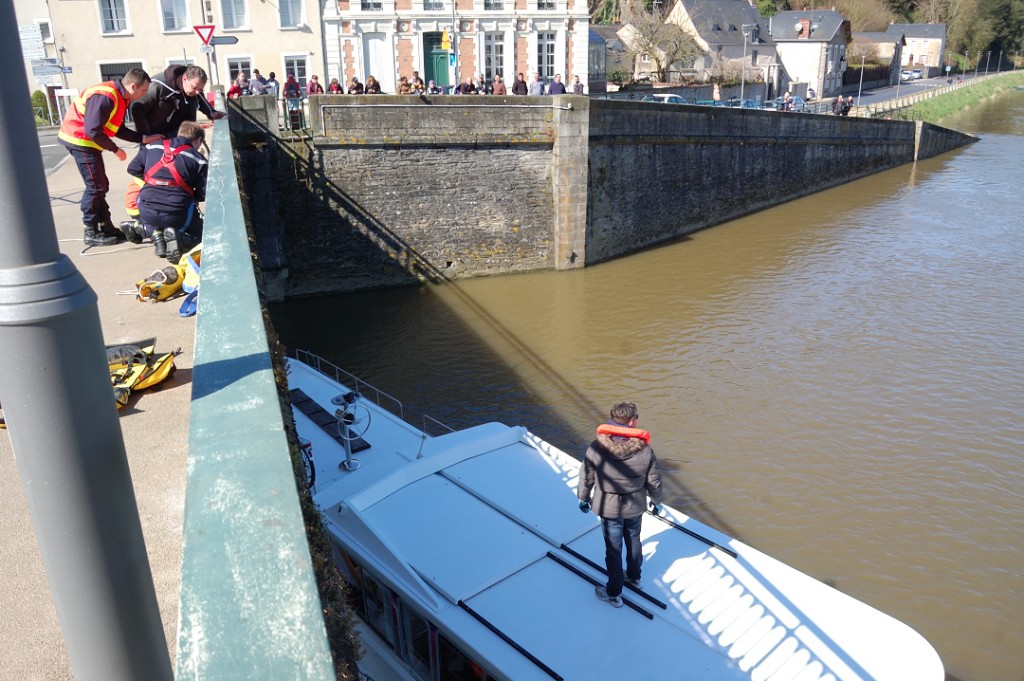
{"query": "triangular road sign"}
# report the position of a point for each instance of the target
(205, 33)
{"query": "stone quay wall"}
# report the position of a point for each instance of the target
(400, 189)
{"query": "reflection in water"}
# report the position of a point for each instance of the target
(837, 381)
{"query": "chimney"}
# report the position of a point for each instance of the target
(805, 28)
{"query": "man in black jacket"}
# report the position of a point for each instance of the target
(173, 98)
(175, 175)
(620, 470)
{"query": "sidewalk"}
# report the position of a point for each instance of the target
(154, 427)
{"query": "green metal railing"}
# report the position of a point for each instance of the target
(249, 607)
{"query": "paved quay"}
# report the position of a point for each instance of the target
(155, 430)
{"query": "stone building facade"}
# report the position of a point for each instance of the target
(392, 38)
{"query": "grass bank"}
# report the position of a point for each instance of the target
(935, 109)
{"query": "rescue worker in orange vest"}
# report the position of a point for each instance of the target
(621, 470)
(93, 119)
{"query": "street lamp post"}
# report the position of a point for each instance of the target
(999, 64)
(743, 64)
(988, 58)
(860, 88)
(977, 65)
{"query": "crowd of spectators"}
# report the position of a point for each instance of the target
(291, 89)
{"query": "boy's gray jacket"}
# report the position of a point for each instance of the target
(622, 472)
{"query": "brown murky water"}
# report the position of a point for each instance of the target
(838, 381)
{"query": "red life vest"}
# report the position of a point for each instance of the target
(167, 161)
(72, 128)
(623, 431)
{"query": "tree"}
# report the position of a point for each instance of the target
(866, 15)
(666, 44)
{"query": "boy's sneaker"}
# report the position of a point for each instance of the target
(602, 593)
(637, 584)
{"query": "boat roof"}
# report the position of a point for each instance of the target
(480, 530)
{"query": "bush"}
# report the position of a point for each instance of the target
(40, 107)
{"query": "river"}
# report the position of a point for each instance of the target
(838, 381)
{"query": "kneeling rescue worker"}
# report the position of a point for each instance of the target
(621, 469)
(174, 173)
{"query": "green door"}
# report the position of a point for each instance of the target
(436, 62)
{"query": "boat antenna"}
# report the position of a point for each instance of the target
(423, 441)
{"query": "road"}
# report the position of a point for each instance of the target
(53, 151)
(913, 87)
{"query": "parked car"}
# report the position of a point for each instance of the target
(796, 103)
(917, 74)
(906, 76)
(667, 99)
(745, 104)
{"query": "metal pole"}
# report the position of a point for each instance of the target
(63, 423)
(743, 67)
(988, 58)
(455, 48)
(977, 65)
(999, 64)
(860, 87)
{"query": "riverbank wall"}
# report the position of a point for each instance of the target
(394, 190)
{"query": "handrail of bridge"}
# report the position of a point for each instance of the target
(249, 606)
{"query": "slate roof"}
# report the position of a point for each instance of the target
(785, 25)
(927, 31)
(720, 22)
(610, 34)
(877, 37)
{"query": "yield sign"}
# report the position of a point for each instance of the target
(205, 33)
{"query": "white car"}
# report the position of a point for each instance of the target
(917, 74)
(906, 76)
(666, 99)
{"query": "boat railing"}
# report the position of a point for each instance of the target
(393, 404)
(339, 375)
(428, 418)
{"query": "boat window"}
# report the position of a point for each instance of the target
(456, 665)
(353, 574)
(416, 643)
(377, 598)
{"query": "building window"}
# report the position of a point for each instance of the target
(174, 14)
(494, 5)
(545, 5)
(546, 55)
(236, 64)
(433, 5)
(291, 13)
(113, 16)
(296, 66)
(45, 33)
(645, 58)
(234, 13)
(371, 5)
(116, 71)
(494, 55)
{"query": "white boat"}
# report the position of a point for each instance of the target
(469, 559)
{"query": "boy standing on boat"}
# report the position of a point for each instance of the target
(622, 471)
